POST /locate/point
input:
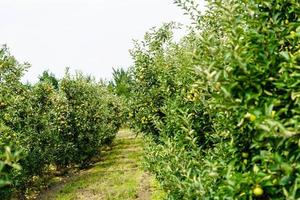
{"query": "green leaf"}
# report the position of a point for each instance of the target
(285, 55)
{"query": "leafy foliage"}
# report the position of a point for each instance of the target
(221, 107)
(121, 82)
(50, 78)
(60, 123)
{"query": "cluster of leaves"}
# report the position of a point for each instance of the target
(121, 82)
(222, 106)
(9, 160)
(53, 123)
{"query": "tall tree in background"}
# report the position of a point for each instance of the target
(121, 82)
(50, 78)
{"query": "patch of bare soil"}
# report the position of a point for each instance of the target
(144, 189)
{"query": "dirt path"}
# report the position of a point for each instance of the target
(119, 176)
(145, 188)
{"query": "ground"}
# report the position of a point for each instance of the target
(119, 175)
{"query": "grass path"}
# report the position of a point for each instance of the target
(119, 176)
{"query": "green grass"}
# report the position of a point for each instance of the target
(157, 191)
(118, 176)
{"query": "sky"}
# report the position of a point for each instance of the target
(92, 36)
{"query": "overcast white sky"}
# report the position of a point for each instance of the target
(88, 35)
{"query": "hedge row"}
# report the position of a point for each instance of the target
(222, 106)
(50, 124)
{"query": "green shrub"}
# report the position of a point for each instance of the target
(222, 106)
(61, 123)
(88, 116)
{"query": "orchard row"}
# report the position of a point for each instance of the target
(222, 106)
(51, 124)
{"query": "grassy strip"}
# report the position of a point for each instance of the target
(118, 176)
